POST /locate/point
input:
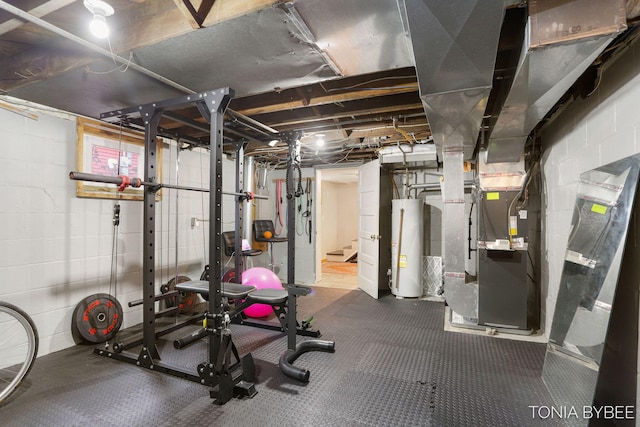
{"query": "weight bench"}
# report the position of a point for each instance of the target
(251, 295)
(237, 291)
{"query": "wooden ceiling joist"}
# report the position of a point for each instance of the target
(347, 96)
(38, 11)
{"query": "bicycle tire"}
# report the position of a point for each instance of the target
(15, 327)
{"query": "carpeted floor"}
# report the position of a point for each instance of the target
(394, 365)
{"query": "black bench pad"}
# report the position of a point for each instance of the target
(268, 296)
(227, 289)
(235, 290)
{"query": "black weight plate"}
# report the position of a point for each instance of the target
(205, 276)
(229, 275)
(205, 273)
(97, 318)
(188, 300)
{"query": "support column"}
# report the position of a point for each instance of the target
(216, 104)
(293, 160)
(151, 117)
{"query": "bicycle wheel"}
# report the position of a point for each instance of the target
(18, 347)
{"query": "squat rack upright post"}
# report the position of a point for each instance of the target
(226, 379)
(294, 349)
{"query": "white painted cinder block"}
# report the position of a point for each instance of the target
(50, 128)
(619, 146)
(14, 122)
(14, 279)
(585, 160)
(626, 104)
(577, 138)
(567, 173)
(600, 123)
(55, 248)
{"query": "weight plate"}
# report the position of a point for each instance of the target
(229, 276)
(188, 300)
(205, 273)
(97, 318)
(205, 276)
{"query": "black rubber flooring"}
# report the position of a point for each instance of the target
(394, 365)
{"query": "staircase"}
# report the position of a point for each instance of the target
(345, 254)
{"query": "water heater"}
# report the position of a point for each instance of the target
(407, 235)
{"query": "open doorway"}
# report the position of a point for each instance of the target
(337, 228)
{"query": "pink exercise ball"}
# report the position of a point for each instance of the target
(261, 278)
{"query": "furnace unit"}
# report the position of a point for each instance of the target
(507, 233)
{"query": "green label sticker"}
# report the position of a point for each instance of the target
(599, 209)
(493, 196)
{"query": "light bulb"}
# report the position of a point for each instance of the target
(320, 139)
(99, 27)
(100, 10)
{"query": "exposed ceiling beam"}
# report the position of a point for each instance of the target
(387, 110)
(331, 99)
(194, 16)
(224, 10)
(39, 12)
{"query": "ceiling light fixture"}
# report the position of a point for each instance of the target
(100, 11)
(320, 139)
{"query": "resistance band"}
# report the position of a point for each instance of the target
(307, 214)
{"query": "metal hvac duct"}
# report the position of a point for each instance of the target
(562, 39)
(454, 45)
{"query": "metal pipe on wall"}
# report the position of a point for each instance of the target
(436, 185)
(250, 186)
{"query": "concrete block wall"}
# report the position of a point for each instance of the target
(56, 249)
(587, 134)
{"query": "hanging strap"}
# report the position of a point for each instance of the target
(300, 214)
(307, 213)
(278, 207)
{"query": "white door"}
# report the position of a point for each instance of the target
(368, 228)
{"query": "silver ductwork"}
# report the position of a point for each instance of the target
(454, 45)
(409, 156)
(562, 39)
